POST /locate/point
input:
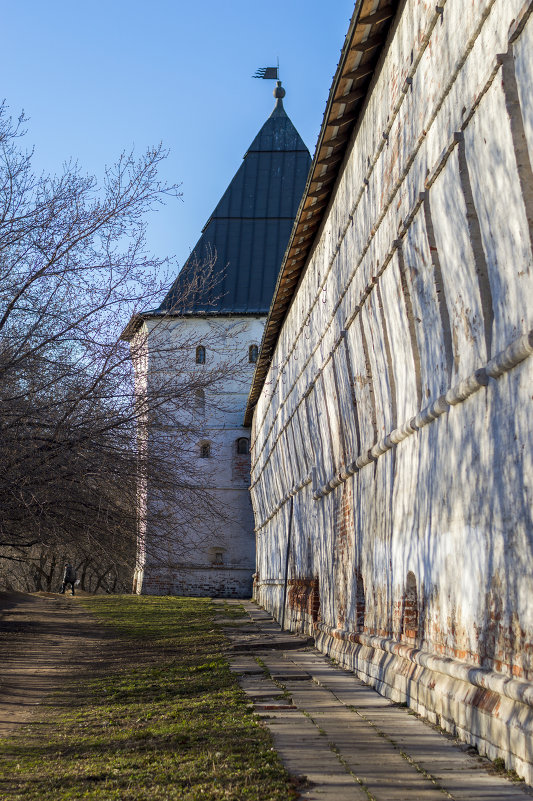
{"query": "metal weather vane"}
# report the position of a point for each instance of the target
(268, 73)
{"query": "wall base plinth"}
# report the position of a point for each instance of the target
(486, 709)
(199, 582)
(440, 690)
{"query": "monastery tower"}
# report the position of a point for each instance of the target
(244, 240)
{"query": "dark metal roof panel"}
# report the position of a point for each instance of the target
(250, 227)
(278, 133)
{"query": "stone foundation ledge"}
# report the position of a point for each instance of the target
(481, 707)
(486, 679)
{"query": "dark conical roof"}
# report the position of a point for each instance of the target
(250, 227)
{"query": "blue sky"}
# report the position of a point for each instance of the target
(96, 78)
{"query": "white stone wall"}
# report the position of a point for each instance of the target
(193, 568)
(392, 442)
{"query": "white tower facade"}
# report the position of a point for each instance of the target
(221, 321)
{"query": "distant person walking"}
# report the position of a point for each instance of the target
(69, 577)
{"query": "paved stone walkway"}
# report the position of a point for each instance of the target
(345, 740)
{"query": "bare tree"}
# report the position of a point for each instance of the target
(73, 269)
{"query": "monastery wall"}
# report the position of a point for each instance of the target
(392, 443)
(204, 546)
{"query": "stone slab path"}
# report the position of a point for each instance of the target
(342, 738)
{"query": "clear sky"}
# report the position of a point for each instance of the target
(97, 77)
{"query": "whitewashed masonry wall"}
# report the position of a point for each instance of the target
(213, 555)
(392, 442)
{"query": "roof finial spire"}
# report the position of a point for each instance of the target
(279, 94)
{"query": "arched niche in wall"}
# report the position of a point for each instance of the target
(410, 607)
(253, 354)
(360, 602)
(240, 463)
(200, 354)
(242, 446)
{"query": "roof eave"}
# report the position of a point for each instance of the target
(136, 322)
(366, 37)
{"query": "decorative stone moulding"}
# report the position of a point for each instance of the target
(462, 391)
(294, 491)
(515, 689)
(504, 361)
(515, 353)
(487, 709)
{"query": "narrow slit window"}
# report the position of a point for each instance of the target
(205, 450)
(200, 354)
(253, 353)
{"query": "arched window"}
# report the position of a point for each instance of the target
(199, 401)
(410, 607)
(253, 353)
(200, 354)
(205, 450)
(243, 446)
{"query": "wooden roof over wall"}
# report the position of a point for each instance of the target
(364, 42)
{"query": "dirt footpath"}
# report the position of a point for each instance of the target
(45, 638)
(336, 734)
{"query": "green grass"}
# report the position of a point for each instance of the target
(164, 719)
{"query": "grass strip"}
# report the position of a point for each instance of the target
(164, 719)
